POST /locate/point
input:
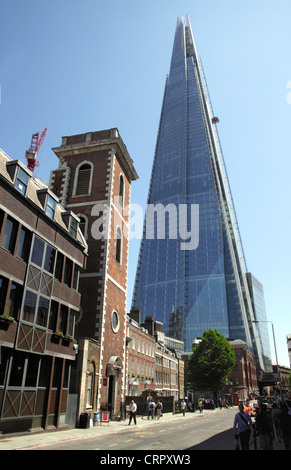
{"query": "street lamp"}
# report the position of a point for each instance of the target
(278, 372)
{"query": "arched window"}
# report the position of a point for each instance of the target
(83, 179)
(118, 246)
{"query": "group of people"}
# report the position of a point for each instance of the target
(153, 408)
(268, 426)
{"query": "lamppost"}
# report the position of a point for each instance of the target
(278, 371)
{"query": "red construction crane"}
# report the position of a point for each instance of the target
(33, 150)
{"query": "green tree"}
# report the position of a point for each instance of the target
(211, 363)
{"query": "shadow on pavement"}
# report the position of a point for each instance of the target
(225, 441)
(222, 441)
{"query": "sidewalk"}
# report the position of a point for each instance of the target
(34, 439)
(45, 438)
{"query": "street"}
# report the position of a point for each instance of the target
(211, 431)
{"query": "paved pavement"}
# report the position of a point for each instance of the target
(46, 438)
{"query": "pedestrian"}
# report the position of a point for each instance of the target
(265, 429)
(159, 409)
(151, 409)
(242, 427)
(285, 425)
(200, 405)
(133, 410)
(276, 412)
(183, 407)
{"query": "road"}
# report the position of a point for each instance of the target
(211, 431)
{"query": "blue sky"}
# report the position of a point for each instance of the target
(75, 66)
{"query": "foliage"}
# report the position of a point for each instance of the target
(211, 363)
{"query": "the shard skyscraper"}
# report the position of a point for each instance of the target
(195, 279)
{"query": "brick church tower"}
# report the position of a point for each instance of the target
(94, 181)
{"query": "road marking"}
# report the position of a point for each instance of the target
(112, 445)
(129, 440)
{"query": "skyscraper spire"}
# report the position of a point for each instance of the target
(201, 271)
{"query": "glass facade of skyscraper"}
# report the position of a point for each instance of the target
(258, 301)
(192, 279)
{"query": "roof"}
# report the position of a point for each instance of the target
(35, 187)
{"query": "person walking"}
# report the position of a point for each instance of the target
(264, 426)
(276, 412)
(200, 405)
(183, 407)
(242, 427)
(159, 408)
(133, 410)
(285, 425)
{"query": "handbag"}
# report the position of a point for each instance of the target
(248, 430)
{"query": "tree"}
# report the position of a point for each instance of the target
(211, 363)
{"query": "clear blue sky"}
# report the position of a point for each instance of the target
(75, 66)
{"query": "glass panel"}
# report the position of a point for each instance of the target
(3, 292)
(21, 181)
(9, 235)
(50, 207)
(17, 370)
(15, 298)
(4, 358)
(32, 371)
(68, 272)
(37, 253)
(49, 260)
(29, 306)
(42, 312)
(24, 244)
(63, 319)
(53, 316)
(44, 374)
(59, 266)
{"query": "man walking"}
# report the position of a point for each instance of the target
(133, 409)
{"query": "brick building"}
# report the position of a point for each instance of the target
(140, 356)
(42, 251)
(94, 180)
(243, 378)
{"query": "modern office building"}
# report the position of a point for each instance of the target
(42, 251)
(191, 269)
(258, 300)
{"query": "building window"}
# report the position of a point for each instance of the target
(121, 190)
(29, 306)
(24, 243)
(68, 272)
(84, 178)
(14, 301)
(73, 228)
(53, 316)
(3, 292)
(21, 181)
(9, 235)
(37, 251)
(50, 207)
(89, 400)
(118, 246)
(59, 266)
(76, 276)
(115, 321)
